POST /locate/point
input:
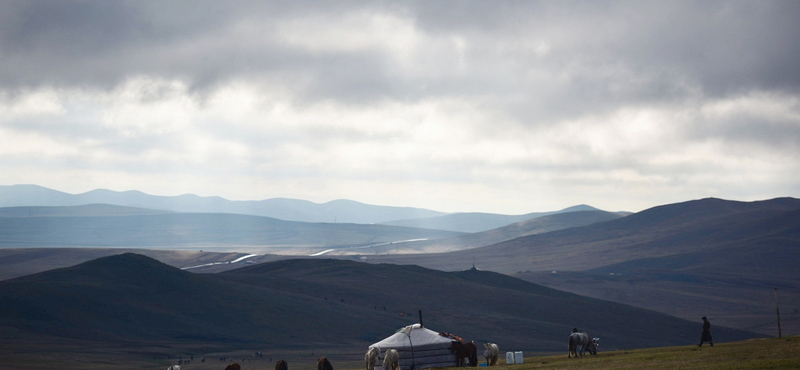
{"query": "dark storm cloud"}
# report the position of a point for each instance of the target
(721, 46)
(724, 46)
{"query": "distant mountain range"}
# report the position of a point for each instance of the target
(337, 211)
(131, 300)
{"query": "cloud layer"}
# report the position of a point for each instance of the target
(505, 107)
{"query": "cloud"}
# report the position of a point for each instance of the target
(531, 105)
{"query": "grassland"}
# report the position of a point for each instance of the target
(746, 355)
(752, 354)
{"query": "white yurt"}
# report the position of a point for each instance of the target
(419, 348)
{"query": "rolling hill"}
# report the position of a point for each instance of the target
(474, 222)
(538, 225)
(53, 228)
(687, 259)
(105, 226)
(132, 300)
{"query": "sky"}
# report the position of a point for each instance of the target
(458, 106)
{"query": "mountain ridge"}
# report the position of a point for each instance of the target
(287, 209)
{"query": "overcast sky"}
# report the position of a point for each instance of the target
(491, 106)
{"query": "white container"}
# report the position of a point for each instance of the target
(509, 358)
(518, 357)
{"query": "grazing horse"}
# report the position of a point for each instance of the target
(458, 349)
(174, 367)
(465, 350)
(324, 364)
(472, 353)
(579, 342)
(491, 351)
(391, 360)
(233, 366)
(281, 365)
(371, 357)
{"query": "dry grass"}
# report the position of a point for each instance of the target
(747, 355)
(751, 354)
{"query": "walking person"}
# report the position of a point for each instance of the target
(706, 336)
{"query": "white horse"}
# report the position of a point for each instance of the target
(371, 357)
(579, 342)
(174, 367)
(391, 360)
(491, 351)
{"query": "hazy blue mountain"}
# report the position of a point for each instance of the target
(342, 211)
(311, 303)
(104, 226)
(473, 222)
(88, 210)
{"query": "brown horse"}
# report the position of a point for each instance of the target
(465, 350)
(281, 365)
(324, 364)
(233, 366)
(472, 353)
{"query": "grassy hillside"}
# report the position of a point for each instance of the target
(673, 230)
(707, 257)
(17, 262)
(311, 303)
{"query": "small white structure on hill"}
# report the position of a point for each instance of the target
(419, 348)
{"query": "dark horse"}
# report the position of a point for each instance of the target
(465, 350)
(324, 364)
(233, 366)
(281, 365)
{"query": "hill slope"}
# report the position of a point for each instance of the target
(113, 226)
(733, 254)
(538, 225)
(473, 222)
(308, 303)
